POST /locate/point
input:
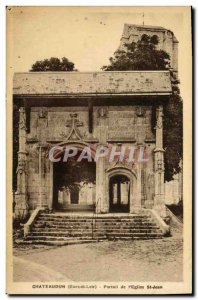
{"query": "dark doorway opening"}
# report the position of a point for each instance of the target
(74, 194)
(74, 184)
(119, 193)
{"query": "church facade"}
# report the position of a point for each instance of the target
(87, 110)
(108, 109)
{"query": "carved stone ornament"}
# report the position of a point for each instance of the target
(140, 111)
(159, 116)
(102, 112)
(21, 167)
(73, 123)
(22, 121)
(159, 167)
(42, 113)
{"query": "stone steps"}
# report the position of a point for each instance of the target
(60, 229)
(65, 228)
(95, 236)
(77, 207)
(88, 218)
(71, 241)
(79, 222)
(96, 231)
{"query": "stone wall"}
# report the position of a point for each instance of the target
(112, 125)
(130, 123)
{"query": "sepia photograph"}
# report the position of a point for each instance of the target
(99, 104)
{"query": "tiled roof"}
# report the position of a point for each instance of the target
(77, 83)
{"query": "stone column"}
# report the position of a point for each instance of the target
(50, 203)
(66, 197)
(21, 205)
(101, 199)
(102, 203)
(159, 201)
(136, 191)
(42, 201)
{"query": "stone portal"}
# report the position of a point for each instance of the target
(116, 110)
(119, 194)
(74, 183)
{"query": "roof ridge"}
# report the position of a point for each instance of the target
(146, 26)
(92, 72)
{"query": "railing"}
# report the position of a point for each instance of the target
(95, 215)
(30, 222)
(174, 217)
(163, 226)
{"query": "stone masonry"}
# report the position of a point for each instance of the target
(120, 113)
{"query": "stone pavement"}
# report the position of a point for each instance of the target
(141, 260)
(27, 271)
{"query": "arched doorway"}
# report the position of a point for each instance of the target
(74, 184)
(119, 193)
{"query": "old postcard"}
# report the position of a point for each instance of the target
(99, 141)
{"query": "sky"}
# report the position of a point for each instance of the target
(87, 36)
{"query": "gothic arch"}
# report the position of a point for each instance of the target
(130, 174)
(80, 145)
(121, 170)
